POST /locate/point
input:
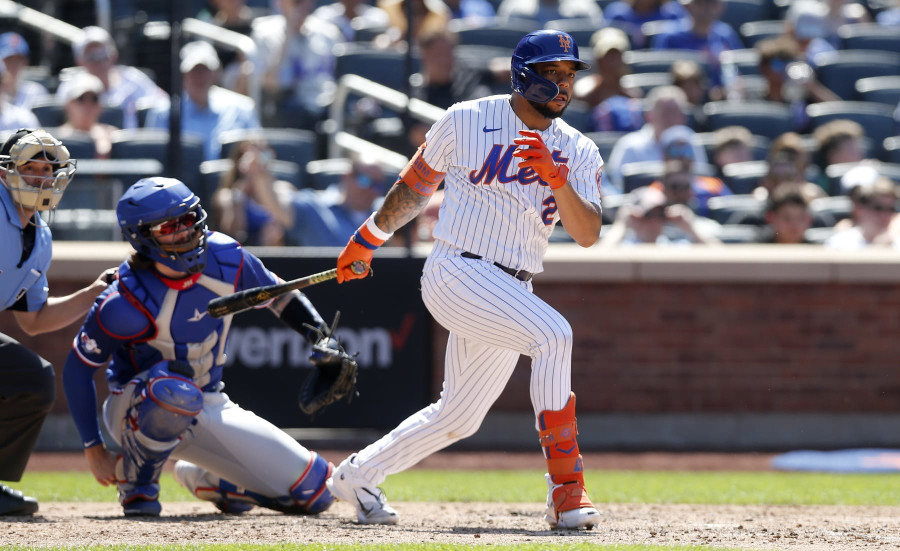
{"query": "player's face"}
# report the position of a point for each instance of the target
(562, 73)
(179, 234)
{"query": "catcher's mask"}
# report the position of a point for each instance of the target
(36, 169)
(538, 47)
(163, 220)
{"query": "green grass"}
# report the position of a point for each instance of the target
(736, 488)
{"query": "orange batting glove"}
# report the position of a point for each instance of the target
(362, 246)
(539, 159)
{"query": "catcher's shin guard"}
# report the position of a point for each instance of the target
(568, 505)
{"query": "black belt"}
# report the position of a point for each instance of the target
(521, 275)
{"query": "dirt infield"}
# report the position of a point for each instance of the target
(818, 528)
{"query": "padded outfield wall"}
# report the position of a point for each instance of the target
(726, 348)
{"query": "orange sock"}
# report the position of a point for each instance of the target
(558, 431)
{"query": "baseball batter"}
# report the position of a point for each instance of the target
(511, 169)
(165, 373)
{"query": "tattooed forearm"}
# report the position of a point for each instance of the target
(401, 205)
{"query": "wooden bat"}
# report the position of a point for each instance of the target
(248, 298)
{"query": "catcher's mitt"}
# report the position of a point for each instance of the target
(334, 376)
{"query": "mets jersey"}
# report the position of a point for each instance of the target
(491, 207)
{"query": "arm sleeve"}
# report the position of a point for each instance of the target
(112, 322)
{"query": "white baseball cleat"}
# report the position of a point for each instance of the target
(585, 517)
(371, 504)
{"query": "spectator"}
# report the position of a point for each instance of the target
(471, 10)
(732, 144)
(805, 22)
(544, 11)
(705, 34)
(297, 62)
(787, 215)
(838, 141)
(645, 219)
(874, 208)
(688, 75)
(429, 16)
(13, 117)
(14, 52)
(206, 110)
(235, 16)
(688, 187)
(664, 108)
(350, 15)
(630, 15)
(328, 218)
(842, 12)
(250, 204)
(790, 80)
(123, 86)
(82, 110)
(614, 108)
(890, 15)
(788, 161)
(441, 82)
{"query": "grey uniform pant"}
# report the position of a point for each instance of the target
(27, 393)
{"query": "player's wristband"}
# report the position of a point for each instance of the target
(370, 236)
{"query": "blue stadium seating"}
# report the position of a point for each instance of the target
(839, 70)
(763, 118)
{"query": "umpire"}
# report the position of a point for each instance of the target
(35, 169)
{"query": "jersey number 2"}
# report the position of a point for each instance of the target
(549, 210)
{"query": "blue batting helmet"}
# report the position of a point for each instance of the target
(537, 47)
(155, 208)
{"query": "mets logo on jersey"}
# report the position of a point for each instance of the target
(496, 166)
(88, 344)
(564, 42)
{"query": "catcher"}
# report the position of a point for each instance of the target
(165, 373)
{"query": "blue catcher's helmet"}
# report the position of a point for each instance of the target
(163, 220)
(537, 47)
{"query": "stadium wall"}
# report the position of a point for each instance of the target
(722, 348)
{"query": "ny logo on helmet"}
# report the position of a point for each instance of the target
(564, 42)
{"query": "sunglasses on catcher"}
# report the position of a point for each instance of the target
(175, 225)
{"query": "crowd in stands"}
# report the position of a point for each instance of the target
(720, 121)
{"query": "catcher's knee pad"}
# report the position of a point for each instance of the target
(310, 492)
(170, 401)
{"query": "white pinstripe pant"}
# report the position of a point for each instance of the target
(492, 318)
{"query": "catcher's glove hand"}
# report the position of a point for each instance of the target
(334, 376)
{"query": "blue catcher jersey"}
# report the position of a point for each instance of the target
(144, 318)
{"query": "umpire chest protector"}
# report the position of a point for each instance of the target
(16, 279)
(181, 327)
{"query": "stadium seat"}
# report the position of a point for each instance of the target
(754, 31)
(738, 12)
(80, 145)
(289, 144)
(640, 174)
(869, 36)
(386, 67)
(50, 113)
(708, 141)
(738, 233)
(880, 89)
(743, 209)
(611, 205)
(492, 33)
(652, 29)
(839, 70)
(876, 119)
(578, 115)
(646, 81)
(834, 173)
(744, 61)
(322, 173)
(605, 141)
(743, 178)
(763, 118)
(818, 236)
(211, 172)
(153, 143)
(581, 30)
(86, 224)
(891, 148)
(660, 61)
(828, 211)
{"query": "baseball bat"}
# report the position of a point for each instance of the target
(248, 298)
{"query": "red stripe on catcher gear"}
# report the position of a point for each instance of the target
(564, 462)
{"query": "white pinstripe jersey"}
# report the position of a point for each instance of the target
(491, 207)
